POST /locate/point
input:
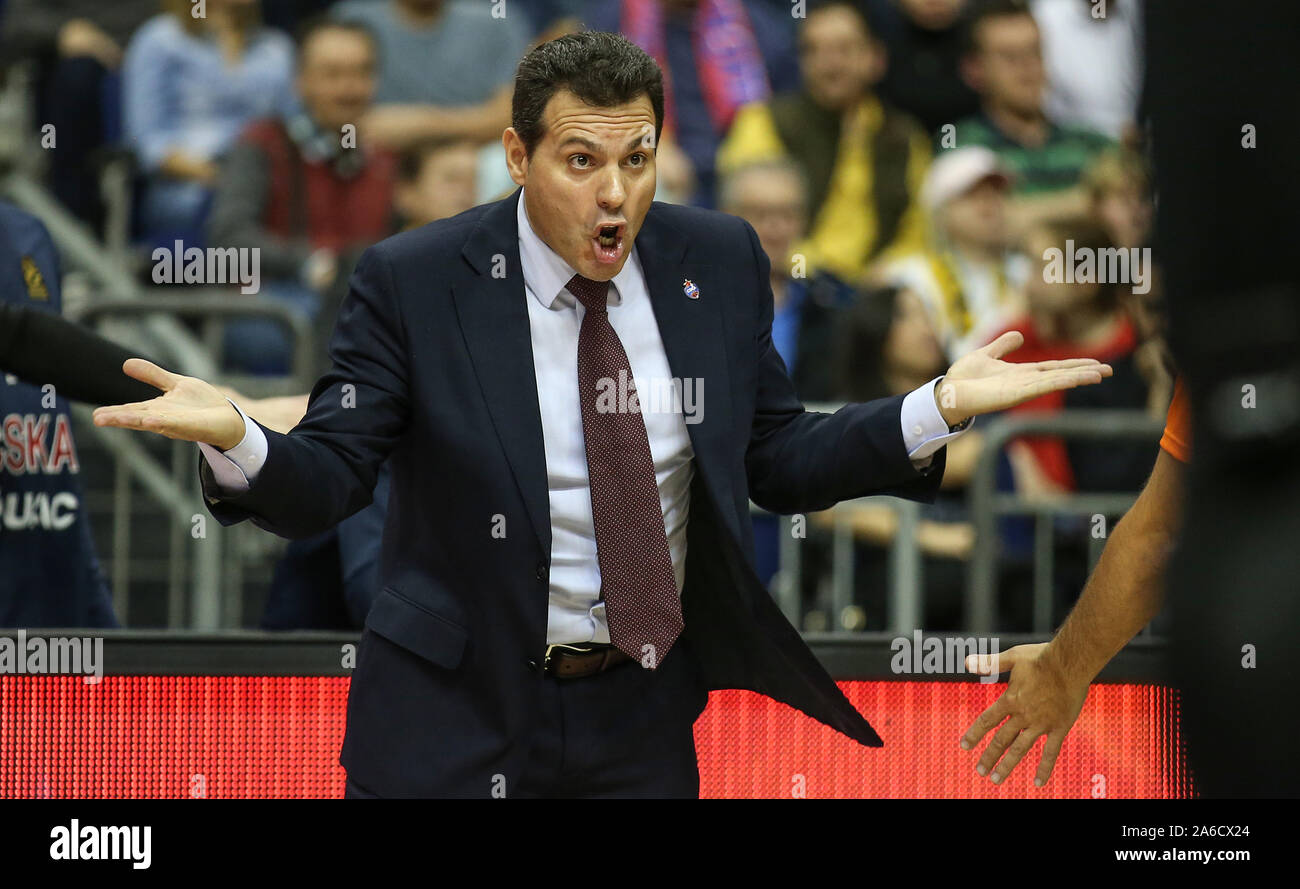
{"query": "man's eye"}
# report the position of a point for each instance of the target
(637, 159)
(580, 160)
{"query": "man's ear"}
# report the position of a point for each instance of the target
(516, 155)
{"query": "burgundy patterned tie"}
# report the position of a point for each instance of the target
(637, 582)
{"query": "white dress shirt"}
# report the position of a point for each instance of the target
(576, 613)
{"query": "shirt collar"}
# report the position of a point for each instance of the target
(546, 274)
(1004, 140)
(320, 146)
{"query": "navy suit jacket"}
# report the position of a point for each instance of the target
(432, 365)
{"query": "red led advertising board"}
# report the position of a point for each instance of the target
(269, 736)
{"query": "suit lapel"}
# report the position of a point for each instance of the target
(694, 339)
(494, 320)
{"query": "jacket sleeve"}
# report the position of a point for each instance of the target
(800, 460)
(239, 207)
(325, 469)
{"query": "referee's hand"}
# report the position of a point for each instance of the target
(1040, 699)
(189, 408)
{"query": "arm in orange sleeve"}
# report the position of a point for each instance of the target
(1177, 440)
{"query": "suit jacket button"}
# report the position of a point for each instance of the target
(533, 666)
(541, 572)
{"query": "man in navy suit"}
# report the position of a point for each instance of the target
(576, 388)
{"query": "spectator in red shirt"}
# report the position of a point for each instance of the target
(305, 192)
(1065, 320)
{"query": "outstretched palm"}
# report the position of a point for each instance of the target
(189, 408)
(982, 383)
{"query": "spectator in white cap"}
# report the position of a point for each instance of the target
(966, 275)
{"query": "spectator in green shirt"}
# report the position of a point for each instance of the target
(1004, 65)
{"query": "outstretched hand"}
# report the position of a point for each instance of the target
(1040, 699)
(189, 408)
(981, 383)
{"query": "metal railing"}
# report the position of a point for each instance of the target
(987, 505)
(113, 291)
(110, 275)
(204, 582)
(215, 568)
(905, 596)
(213, 307)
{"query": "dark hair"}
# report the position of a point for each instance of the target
(859, 12)
(601, 69)
(987, 11)
(410, 163)
(1086, 233)
(858, 345)
(324, 22)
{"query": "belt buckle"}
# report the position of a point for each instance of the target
(550, 649)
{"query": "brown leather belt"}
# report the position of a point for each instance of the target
(585, 659)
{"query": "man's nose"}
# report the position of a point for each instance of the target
(611, 193)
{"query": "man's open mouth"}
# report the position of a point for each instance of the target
(609, 242)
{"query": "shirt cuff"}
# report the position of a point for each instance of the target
(924, 429)
(235, 470)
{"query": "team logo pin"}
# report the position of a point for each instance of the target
(689, 288)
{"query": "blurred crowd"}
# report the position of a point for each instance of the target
(908, 166)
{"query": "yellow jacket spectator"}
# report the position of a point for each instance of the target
(863, 160)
